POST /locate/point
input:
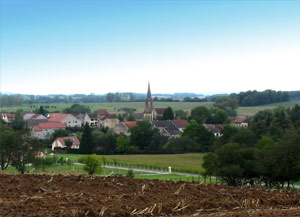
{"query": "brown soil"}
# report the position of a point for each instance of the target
(59, 195)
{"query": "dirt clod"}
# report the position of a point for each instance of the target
(28, 195)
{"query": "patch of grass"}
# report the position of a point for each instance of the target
(189, 163)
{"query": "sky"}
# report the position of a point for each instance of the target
(199, 46)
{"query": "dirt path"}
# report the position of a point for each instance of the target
(59, 195)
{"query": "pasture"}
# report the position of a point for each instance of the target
(189, 163)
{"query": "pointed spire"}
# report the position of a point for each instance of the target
(149, 91)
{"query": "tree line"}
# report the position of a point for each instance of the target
(267, 152)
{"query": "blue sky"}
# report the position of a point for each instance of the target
(89, 46)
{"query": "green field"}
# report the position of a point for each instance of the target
(189, 163)
(250, 111)
(139, 106)
(111, 107)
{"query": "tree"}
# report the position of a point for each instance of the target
(86, 142)
(59, 133)
(142, 135)
(40, 162)
(77, 109)
(201, 114)
(168, 114)
(261, 122)
(181, 114)
(93, 164)
(18, 123)
(42, 111)
(182, 144)
(105, 143)
(220, 117)
(9, 142)
(123, 145)
(199, 134)
(209, 165)
(25, 152)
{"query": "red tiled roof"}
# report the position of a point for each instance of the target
(237, 120)
(180, 123)
(130, 124)
(216, 128)
(57, 117)
(102, 112)
(37, 128)
(8, 115)
(160, 111)
(49, 125)
(71, 138)
(109, 116)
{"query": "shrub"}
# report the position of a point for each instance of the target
(130, 174)
(93, 164)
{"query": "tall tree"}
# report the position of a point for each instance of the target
(168, 114)
(86, 142)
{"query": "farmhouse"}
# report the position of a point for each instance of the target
(32, 119)
(68, 119)
(7, 117)
(167, 128)
(61, 142)
(84, 118)
(239, 122)
(215, 128)
(44, 130)
(123, 127)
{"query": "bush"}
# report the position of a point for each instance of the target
(93, 164)
(130, 174)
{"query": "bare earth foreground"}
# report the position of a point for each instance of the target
(60, 195)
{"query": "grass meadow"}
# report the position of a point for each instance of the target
(189, 163)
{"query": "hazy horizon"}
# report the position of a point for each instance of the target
(69, 47)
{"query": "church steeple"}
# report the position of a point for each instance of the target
(149, 105)
(149, 92)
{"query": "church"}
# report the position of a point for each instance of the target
(150, 111)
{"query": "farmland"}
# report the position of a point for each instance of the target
(79, 195)
(139, 106)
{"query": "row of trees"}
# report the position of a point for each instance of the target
(255, 98)
(267, 152)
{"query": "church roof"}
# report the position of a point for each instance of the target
(149, 92)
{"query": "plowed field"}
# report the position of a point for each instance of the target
(59, 195)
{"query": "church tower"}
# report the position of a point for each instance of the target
(149, 106)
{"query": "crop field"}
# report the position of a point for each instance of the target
(112, 107)
(81, 195)
(139, 106)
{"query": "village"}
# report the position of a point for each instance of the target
(42, 127)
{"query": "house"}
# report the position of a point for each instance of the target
(239, 122)
(101, 113)
(68, 119)
(84, 118)
(180, 124)
(167, 128)
(61, 142)
(93, 118)
(215, 128)
(159, 112)
(7, 117)
(44, 130)
(123, 127)
(138, 116)
(108, 120)
(34, 120)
